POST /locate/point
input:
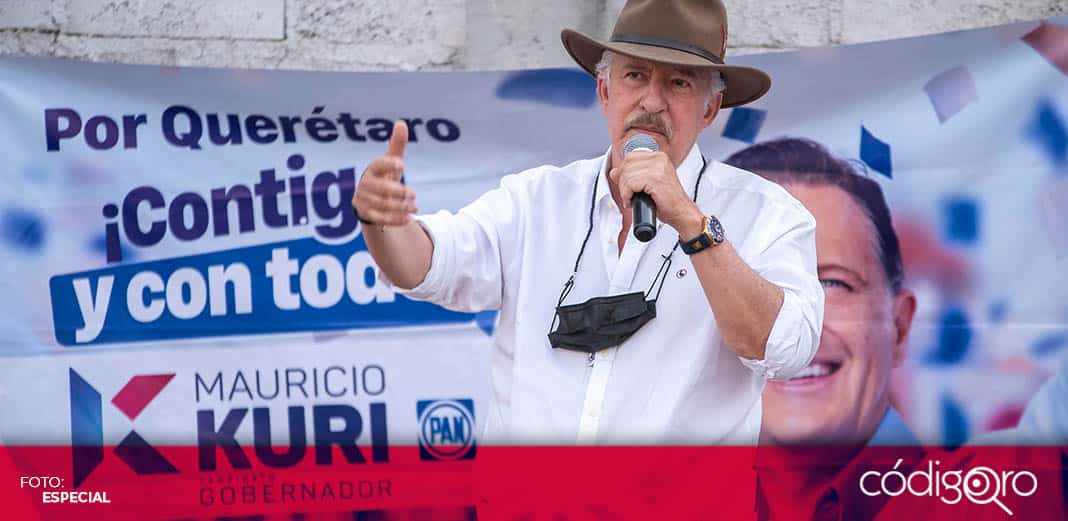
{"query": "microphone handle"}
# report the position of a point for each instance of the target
(644, 216)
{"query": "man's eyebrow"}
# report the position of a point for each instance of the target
(689, 73)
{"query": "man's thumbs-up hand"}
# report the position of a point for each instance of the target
(381, 197)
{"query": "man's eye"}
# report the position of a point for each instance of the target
(632, 74)
(835, 283)
(681, 83)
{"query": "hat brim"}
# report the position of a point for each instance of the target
(744, 84)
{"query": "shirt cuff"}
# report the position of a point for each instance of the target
(440, 261)
(791, 344)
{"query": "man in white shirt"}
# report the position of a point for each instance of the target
(724, 297)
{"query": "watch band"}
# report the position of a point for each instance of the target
(705, 240)
(356, 213)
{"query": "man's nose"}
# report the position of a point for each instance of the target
(653, 98)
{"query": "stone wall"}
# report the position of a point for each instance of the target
(440, 34)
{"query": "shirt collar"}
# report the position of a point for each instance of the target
(892, 431)
(892, 441)
(851, 466)
(687, 171)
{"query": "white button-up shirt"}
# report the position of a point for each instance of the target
(674, 381)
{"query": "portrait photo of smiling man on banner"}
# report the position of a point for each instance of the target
(456, 260)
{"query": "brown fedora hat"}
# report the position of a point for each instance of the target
(691, 33)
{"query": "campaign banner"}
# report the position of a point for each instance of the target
(192, 326)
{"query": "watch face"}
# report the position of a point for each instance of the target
(715, 229)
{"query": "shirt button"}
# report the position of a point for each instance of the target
(828, 508)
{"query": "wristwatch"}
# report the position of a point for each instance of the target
(710, 237)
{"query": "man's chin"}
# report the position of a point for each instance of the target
(809, 434)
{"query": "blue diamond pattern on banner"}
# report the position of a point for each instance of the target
(999, 309)
(950, 92)
(486, 320)
(954, 338)
(960, 220)
(954, 424)
(22, 229)
(875, 153)
(569, 88)
(1049, 344)
(744, 124)
(99, 244)
(1047, 129)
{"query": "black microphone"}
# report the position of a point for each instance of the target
(643, 205)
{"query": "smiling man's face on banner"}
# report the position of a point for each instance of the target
(842, 396)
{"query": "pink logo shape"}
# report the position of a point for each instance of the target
(139, 392)
(1051, 41)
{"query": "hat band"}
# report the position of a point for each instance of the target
(668, 44)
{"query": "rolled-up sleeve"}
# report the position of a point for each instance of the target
(470, 249)
(788, 260)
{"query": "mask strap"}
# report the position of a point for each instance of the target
(589, 228)
(665, 267)
(574, 271)
(563, 294)
(661, 274)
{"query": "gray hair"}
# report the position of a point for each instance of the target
(604, 71)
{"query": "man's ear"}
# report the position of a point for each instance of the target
(904, 311)
(602, 93)
(713, 109)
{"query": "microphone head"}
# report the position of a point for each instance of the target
(640, 142)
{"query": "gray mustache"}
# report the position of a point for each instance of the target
(651, 121)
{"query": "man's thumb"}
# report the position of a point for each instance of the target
(399, 139)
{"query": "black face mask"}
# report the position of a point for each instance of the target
(603, 322)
